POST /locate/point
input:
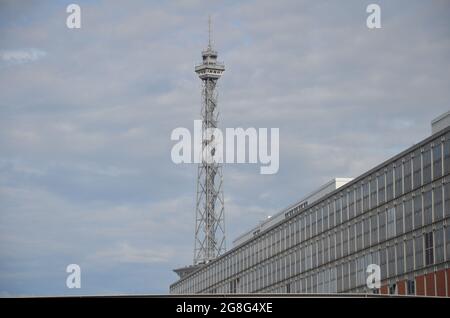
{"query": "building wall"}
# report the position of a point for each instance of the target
(279, 217)
(440, 122)
(396, 216)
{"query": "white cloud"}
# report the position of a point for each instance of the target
(125, 253)
(20, 56)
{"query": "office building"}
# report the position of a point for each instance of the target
(396, 215)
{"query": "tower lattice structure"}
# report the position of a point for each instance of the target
(209, 215)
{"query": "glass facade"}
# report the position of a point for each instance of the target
(396, 216)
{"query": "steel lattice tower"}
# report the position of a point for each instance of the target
(209, 215)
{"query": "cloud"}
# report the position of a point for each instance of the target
(21, 56)
(124, 253)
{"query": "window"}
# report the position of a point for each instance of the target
(338, 244)
(438, 206)
(429, 255)
(330, 281)
(393, 289)
(319, 220)
(366, 229)
(351, 204)
(314, 255)
(363, 262)
(351, 239)
(381, 188)
(417, 169)
(437, 160)
(339, 278)
(418, 247)
(332, 247)
(391, 261)
(374, 230)
(407, 205)
(319, 252)
(390, 223)
(417, 210)
(410, 287)
(409, 255)
(366, 196)
(389, 184)
(382, 226)
(427, 211)
(352, 277)
(303, 285)
(358, 205)
(345, 241)
(359, 235)
(373, 193)
(331, 214)
(426, 161)
(375, 257)
(326, 281)
(252, 261)
(346, 269)
(292, 231)
(338, 210)
(439, 241)
(325, 217)
(314, 283)
(320, 283)
(287, 233)
(344, 208)
(308, 226)
(407, 178)
(398, 179)
(447, 155)
(313, 223)
(400, 258)
(303, 259)
(308, 284)
(447, 242)
(302, 229)
(278, 277)
(447, 199)
(399, 220)
(325, 250)
(383, 264)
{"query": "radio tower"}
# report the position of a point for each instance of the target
(209, 214)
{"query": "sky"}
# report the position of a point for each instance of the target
(86, 115)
